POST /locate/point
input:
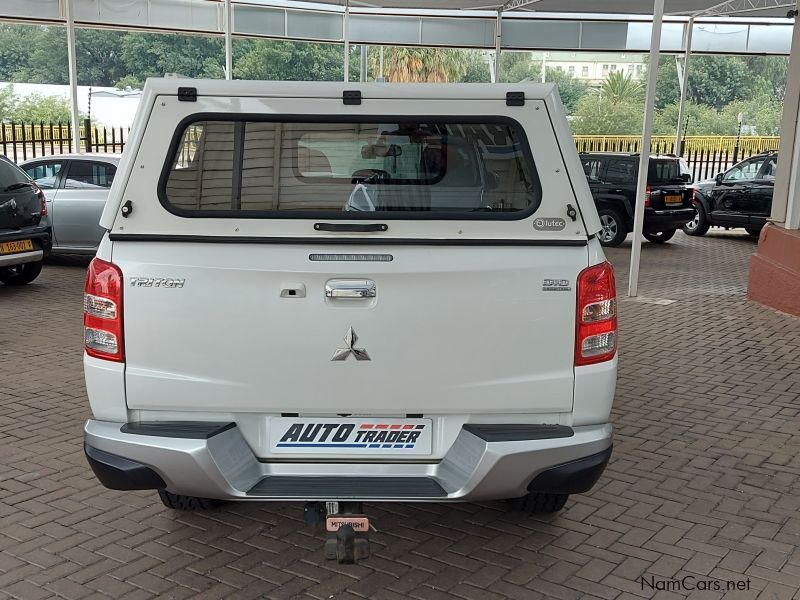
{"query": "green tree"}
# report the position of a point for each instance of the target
(477, 69)
(597, 115)
(702, 120)
(519, 66)
(35, 108)
(7, 103)
(425, 65)
(570, 89)
(155, 54)
(289, 61)
(99, 57)
(619, 88)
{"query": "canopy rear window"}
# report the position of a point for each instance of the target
(431, 168)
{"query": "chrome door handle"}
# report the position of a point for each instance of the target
(350, 288)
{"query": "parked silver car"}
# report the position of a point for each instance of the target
(76, 187)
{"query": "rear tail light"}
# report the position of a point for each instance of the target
(694, 196)
(596, 328)
(42, 202)
(647, 197)
(102, 311)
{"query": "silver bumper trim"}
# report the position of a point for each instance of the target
(225, 467)
(7, 260)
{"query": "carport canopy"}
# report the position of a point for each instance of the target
(503, 25)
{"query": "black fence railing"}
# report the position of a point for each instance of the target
(21, 141)
(705, 155)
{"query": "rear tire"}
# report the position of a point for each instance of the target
(659, 237)
(537, 503)
(614, 231)
(753, 231)
(699, 225)
(21, 274)
(180, 502)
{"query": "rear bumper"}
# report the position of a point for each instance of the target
(214, 461)
(42, 244)
(20, 258)
(663, 220)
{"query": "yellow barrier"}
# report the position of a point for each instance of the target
(662, 143)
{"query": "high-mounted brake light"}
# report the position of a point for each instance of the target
(102, 311)
(596, 327)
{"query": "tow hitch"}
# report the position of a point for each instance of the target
(347, 527)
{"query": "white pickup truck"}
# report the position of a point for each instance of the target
(367, 292)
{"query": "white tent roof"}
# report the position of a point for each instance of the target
(761, 8)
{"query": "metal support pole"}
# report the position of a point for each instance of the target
(73, 76)
(644, 152)
(498, 38)
(362, 64)
(684, 87)
(346, 38)
(786, 195)
(228, 40)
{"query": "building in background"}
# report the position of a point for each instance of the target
(593, 68)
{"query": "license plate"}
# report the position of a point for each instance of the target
(14, 247)
(357, 436)
(359, 523)
(673, 199)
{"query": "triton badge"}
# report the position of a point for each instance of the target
(350, 339)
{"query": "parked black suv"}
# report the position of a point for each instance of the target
(739, 197)
(612, 179)
(25, 236)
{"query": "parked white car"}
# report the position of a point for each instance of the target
(371, 292)
(76, 187)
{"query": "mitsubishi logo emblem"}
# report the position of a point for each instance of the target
(350, 339)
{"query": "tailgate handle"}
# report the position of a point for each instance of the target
(350, 289)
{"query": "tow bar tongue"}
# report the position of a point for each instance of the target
(347, 527)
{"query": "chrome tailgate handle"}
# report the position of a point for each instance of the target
(350, 288)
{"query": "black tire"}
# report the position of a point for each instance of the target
(537, 503)
(659, 237)
(21, 274)
(699, 225)
(179, 502)
(753, 231)
(614, 230)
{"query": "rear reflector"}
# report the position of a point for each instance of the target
(596, 327)
(102, 311)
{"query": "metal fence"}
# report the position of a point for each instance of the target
(705, 155)
(21, 141)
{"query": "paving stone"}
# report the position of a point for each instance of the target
(703, 480)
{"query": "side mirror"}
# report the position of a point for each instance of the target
(718, 178)
(686, 177)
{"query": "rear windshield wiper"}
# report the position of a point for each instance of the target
(18, 185)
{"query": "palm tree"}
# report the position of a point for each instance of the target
(619, 88)
(428, 65)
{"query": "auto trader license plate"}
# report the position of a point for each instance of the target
(17, 246)
(361, 436)
(673, 199)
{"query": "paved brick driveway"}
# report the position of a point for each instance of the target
(705, 479)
